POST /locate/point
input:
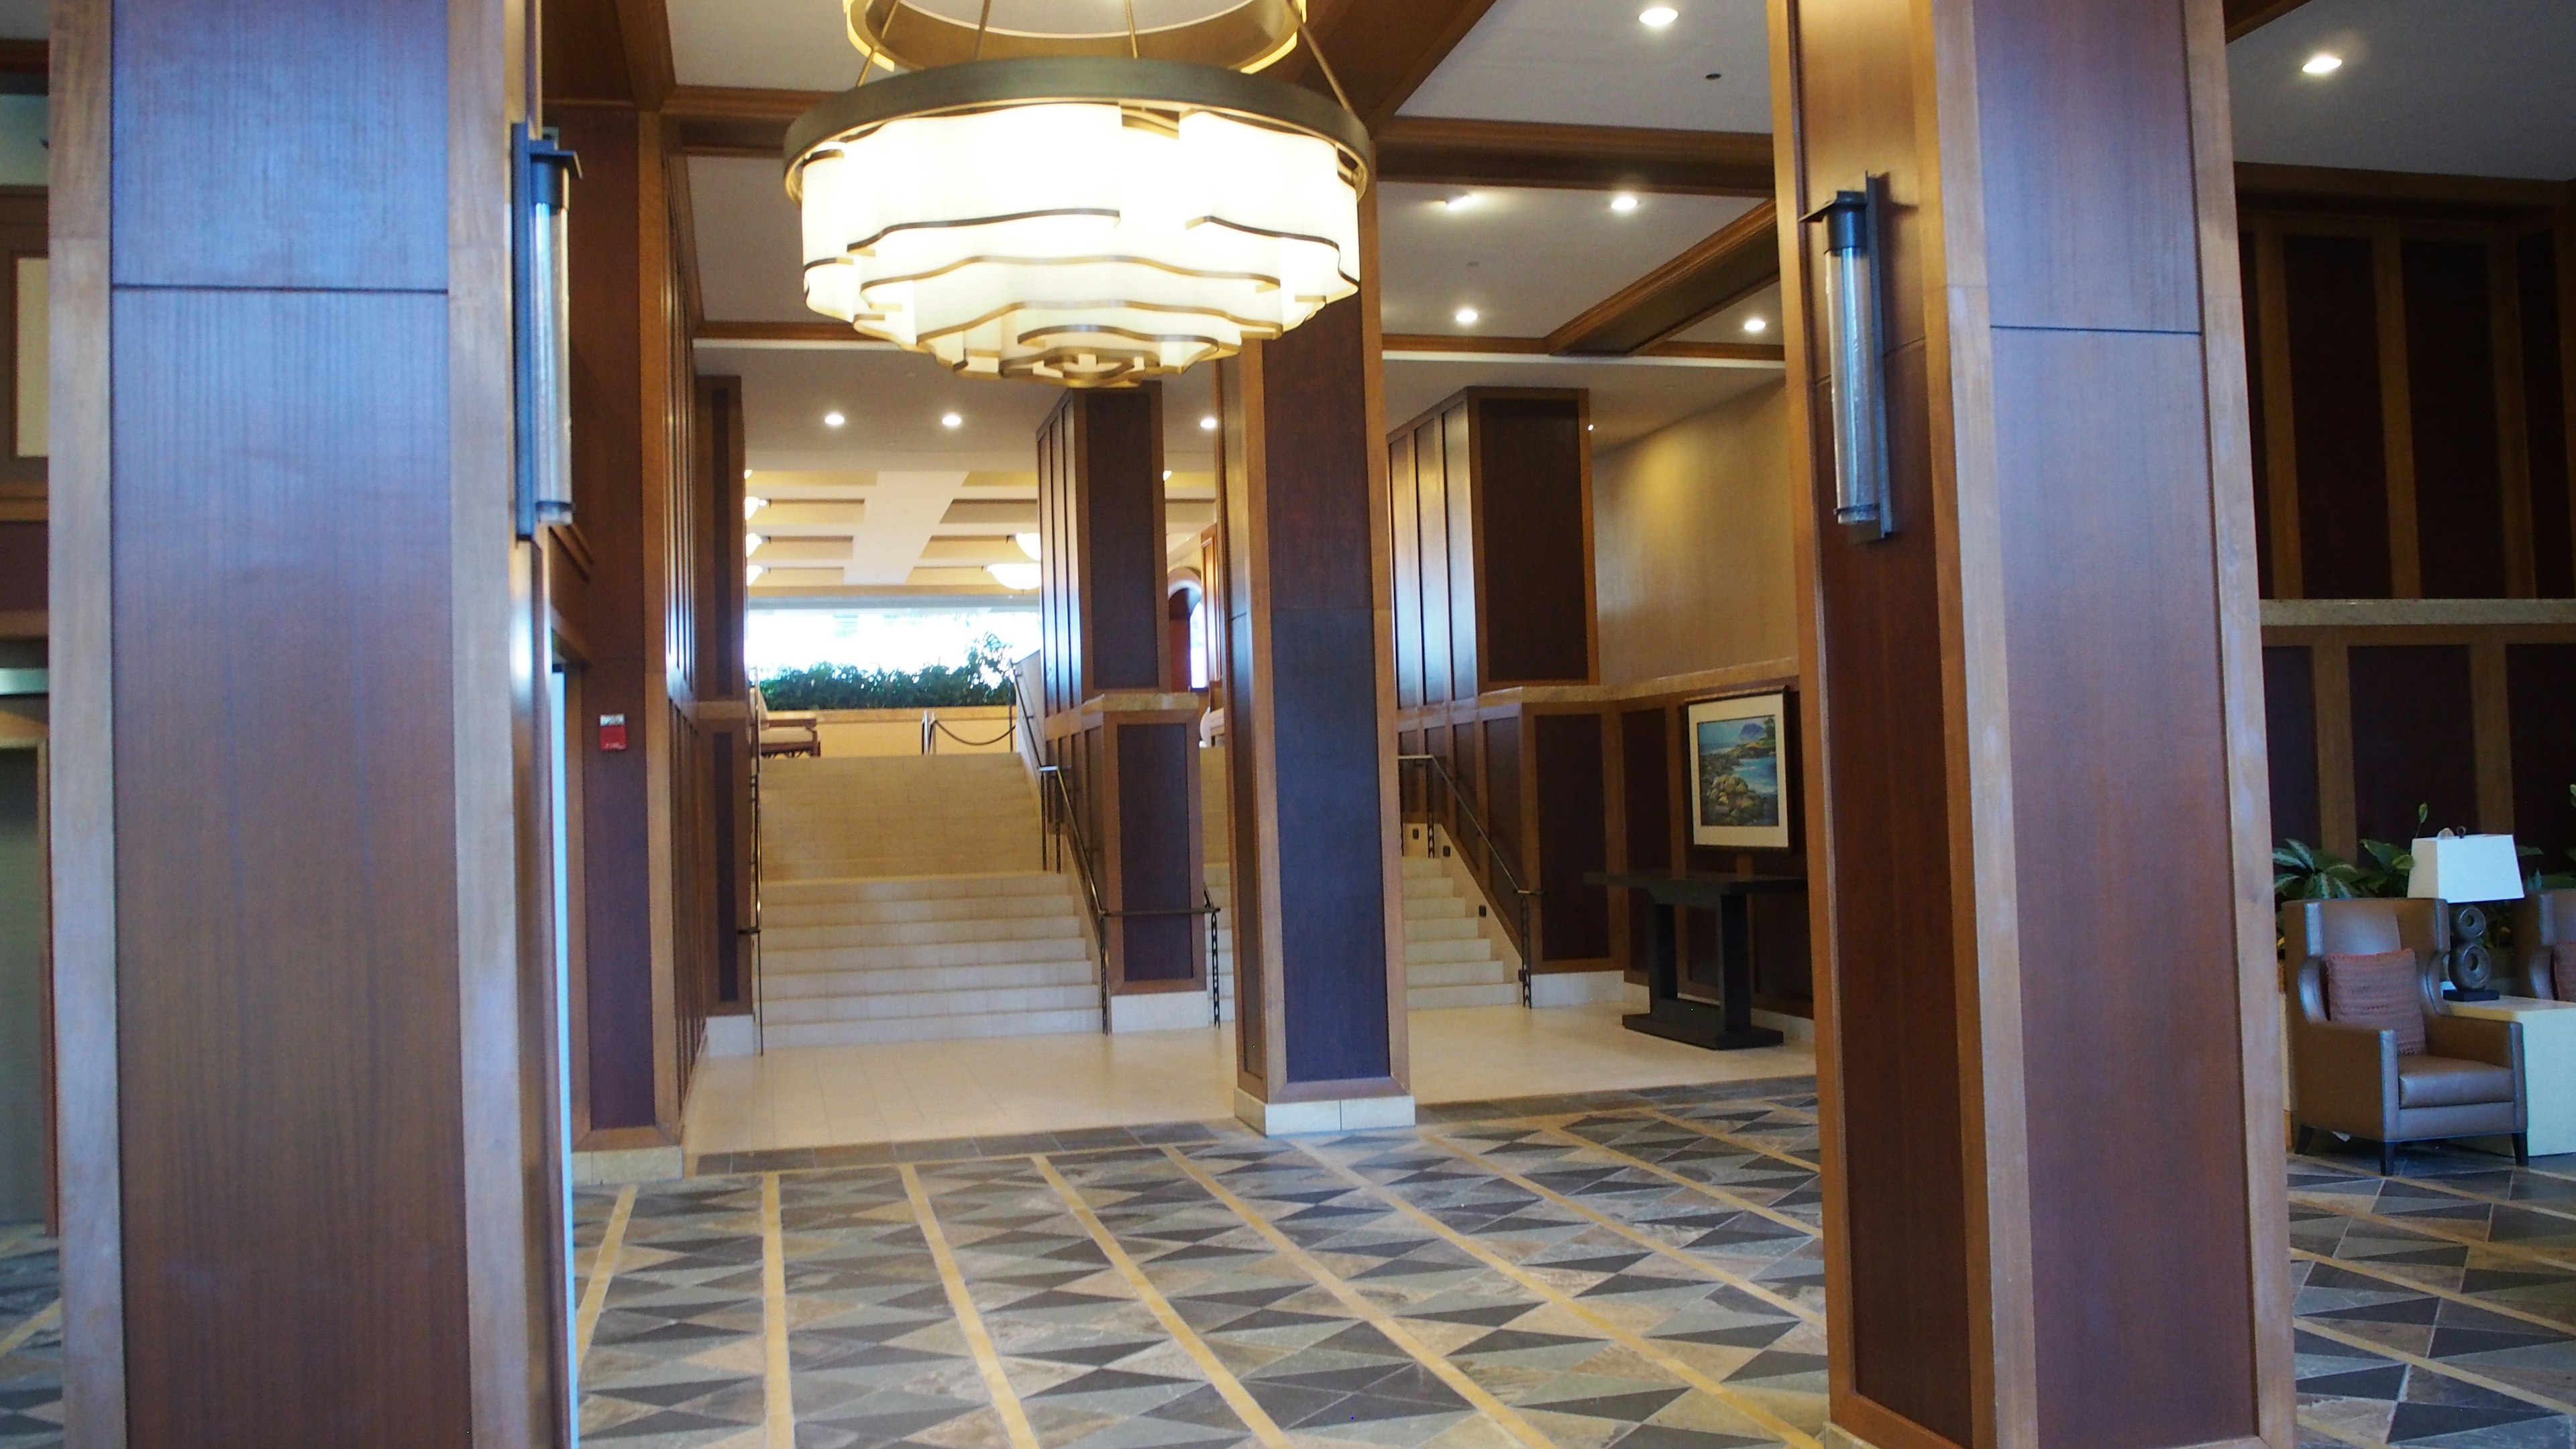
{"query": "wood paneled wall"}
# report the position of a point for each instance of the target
(2043, 915)
(1119, 726)
(2368, 722)
(2408, 363)
(298, 1164)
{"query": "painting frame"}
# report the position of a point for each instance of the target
(1737, 750)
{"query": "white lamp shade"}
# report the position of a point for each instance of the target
(2466, 868)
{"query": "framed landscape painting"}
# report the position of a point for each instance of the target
(1739, 788)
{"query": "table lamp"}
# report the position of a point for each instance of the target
(2465, 871)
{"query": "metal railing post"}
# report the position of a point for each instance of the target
(1494, 861)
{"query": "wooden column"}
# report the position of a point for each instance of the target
(2050, 1074)
(303, 1169)
(1310, 699)
(1120, 729)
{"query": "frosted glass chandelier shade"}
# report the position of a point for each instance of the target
(1081, 221)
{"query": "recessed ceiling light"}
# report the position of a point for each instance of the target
(1022, 577)
(951, 420)
(1208, 424)
(1623, 202)
(1028, 543)
(751, 506)
(2323, 63)
(751, 543)
(1461, 201)
(833, 420)
(1467, 316)
(751, 573)
(1755, 324)
(1167, 475)
(1658, 16)
(746, 473)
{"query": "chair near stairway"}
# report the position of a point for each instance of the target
(903, 899)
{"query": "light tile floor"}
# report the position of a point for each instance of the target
(906, 1091)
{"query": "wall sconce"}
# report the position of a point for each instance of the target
(1861, 502)
(541, 175)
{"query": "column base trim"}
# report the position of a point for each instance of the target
(1345, 1114)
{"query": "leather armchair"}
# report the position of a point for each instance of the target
(2542, 921)
(2468, 1082)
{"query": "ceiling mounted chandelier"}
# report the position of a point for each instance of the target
(1082, 191)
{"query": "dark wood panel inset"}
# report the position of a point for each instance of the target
(2290, 714)
(1902, 1138)
(2087, 164)
(1533, 515)
(1503, 804)
(1158, 866)
(1439, 626)
(1646, 798)
(214, 185)
(1404, 510)
(2412, 740)
(22, 568)
(289, 1033)
(1333, 927)
(1465, 644)
(1573, 838)
(2544, 408)
(2333, 309)
(2540, 682)
(2120, 985)
(1118, 486)
(1318, 466)
(2450, 370)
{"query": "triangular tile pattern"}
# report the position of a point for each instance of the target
(677, 1359)
(2435, 1308)
(31, 1376)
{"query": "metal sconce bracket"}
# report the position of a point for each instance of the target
(541, 175)
(1853, 292)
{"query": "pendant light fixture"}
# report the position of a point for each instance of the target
(1069, 191)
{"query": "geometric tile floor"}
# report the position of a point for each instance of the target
(1634, 1269)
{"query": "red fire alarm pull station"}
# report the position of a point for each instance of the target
(612, 732)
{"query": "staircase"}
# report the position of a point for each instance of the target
(1452, 956)
(902, 900)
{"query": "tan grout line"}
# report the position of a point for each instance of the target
(1729, 1198)
(1730, 1139)
(2436, 1366)
(778, 1378)
(2438, 1186)
(1634, 1234)
(1732, 1397)
(2400, 1280)
(1448, 1373)
(603, 1266)
(2324, 1202)
(46, 1317)
(1236, 1396)
(970, 1322)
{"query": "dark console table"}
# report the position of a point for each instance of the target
(1725, 1027)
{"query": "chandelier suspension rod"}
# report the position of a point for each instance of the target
(986, 23)
(1134, 51)
(1308, 36)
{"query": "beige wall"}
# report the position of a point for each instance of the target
(1690, 529)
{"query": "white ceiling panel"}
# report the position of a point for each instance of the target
(1591, 63)
(2471, 88)
(1525, 258)
(1629, 398)
(799, 45)
(751, 244)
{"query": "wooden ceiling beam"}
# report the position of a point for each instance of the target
(1590, 158)
(2333, 190)
(736, 120)
(1732, 263)
(2244, 17)
(1381, 53)
(645, 25)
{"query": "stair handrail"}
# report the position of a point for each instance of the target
(1494, 856)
